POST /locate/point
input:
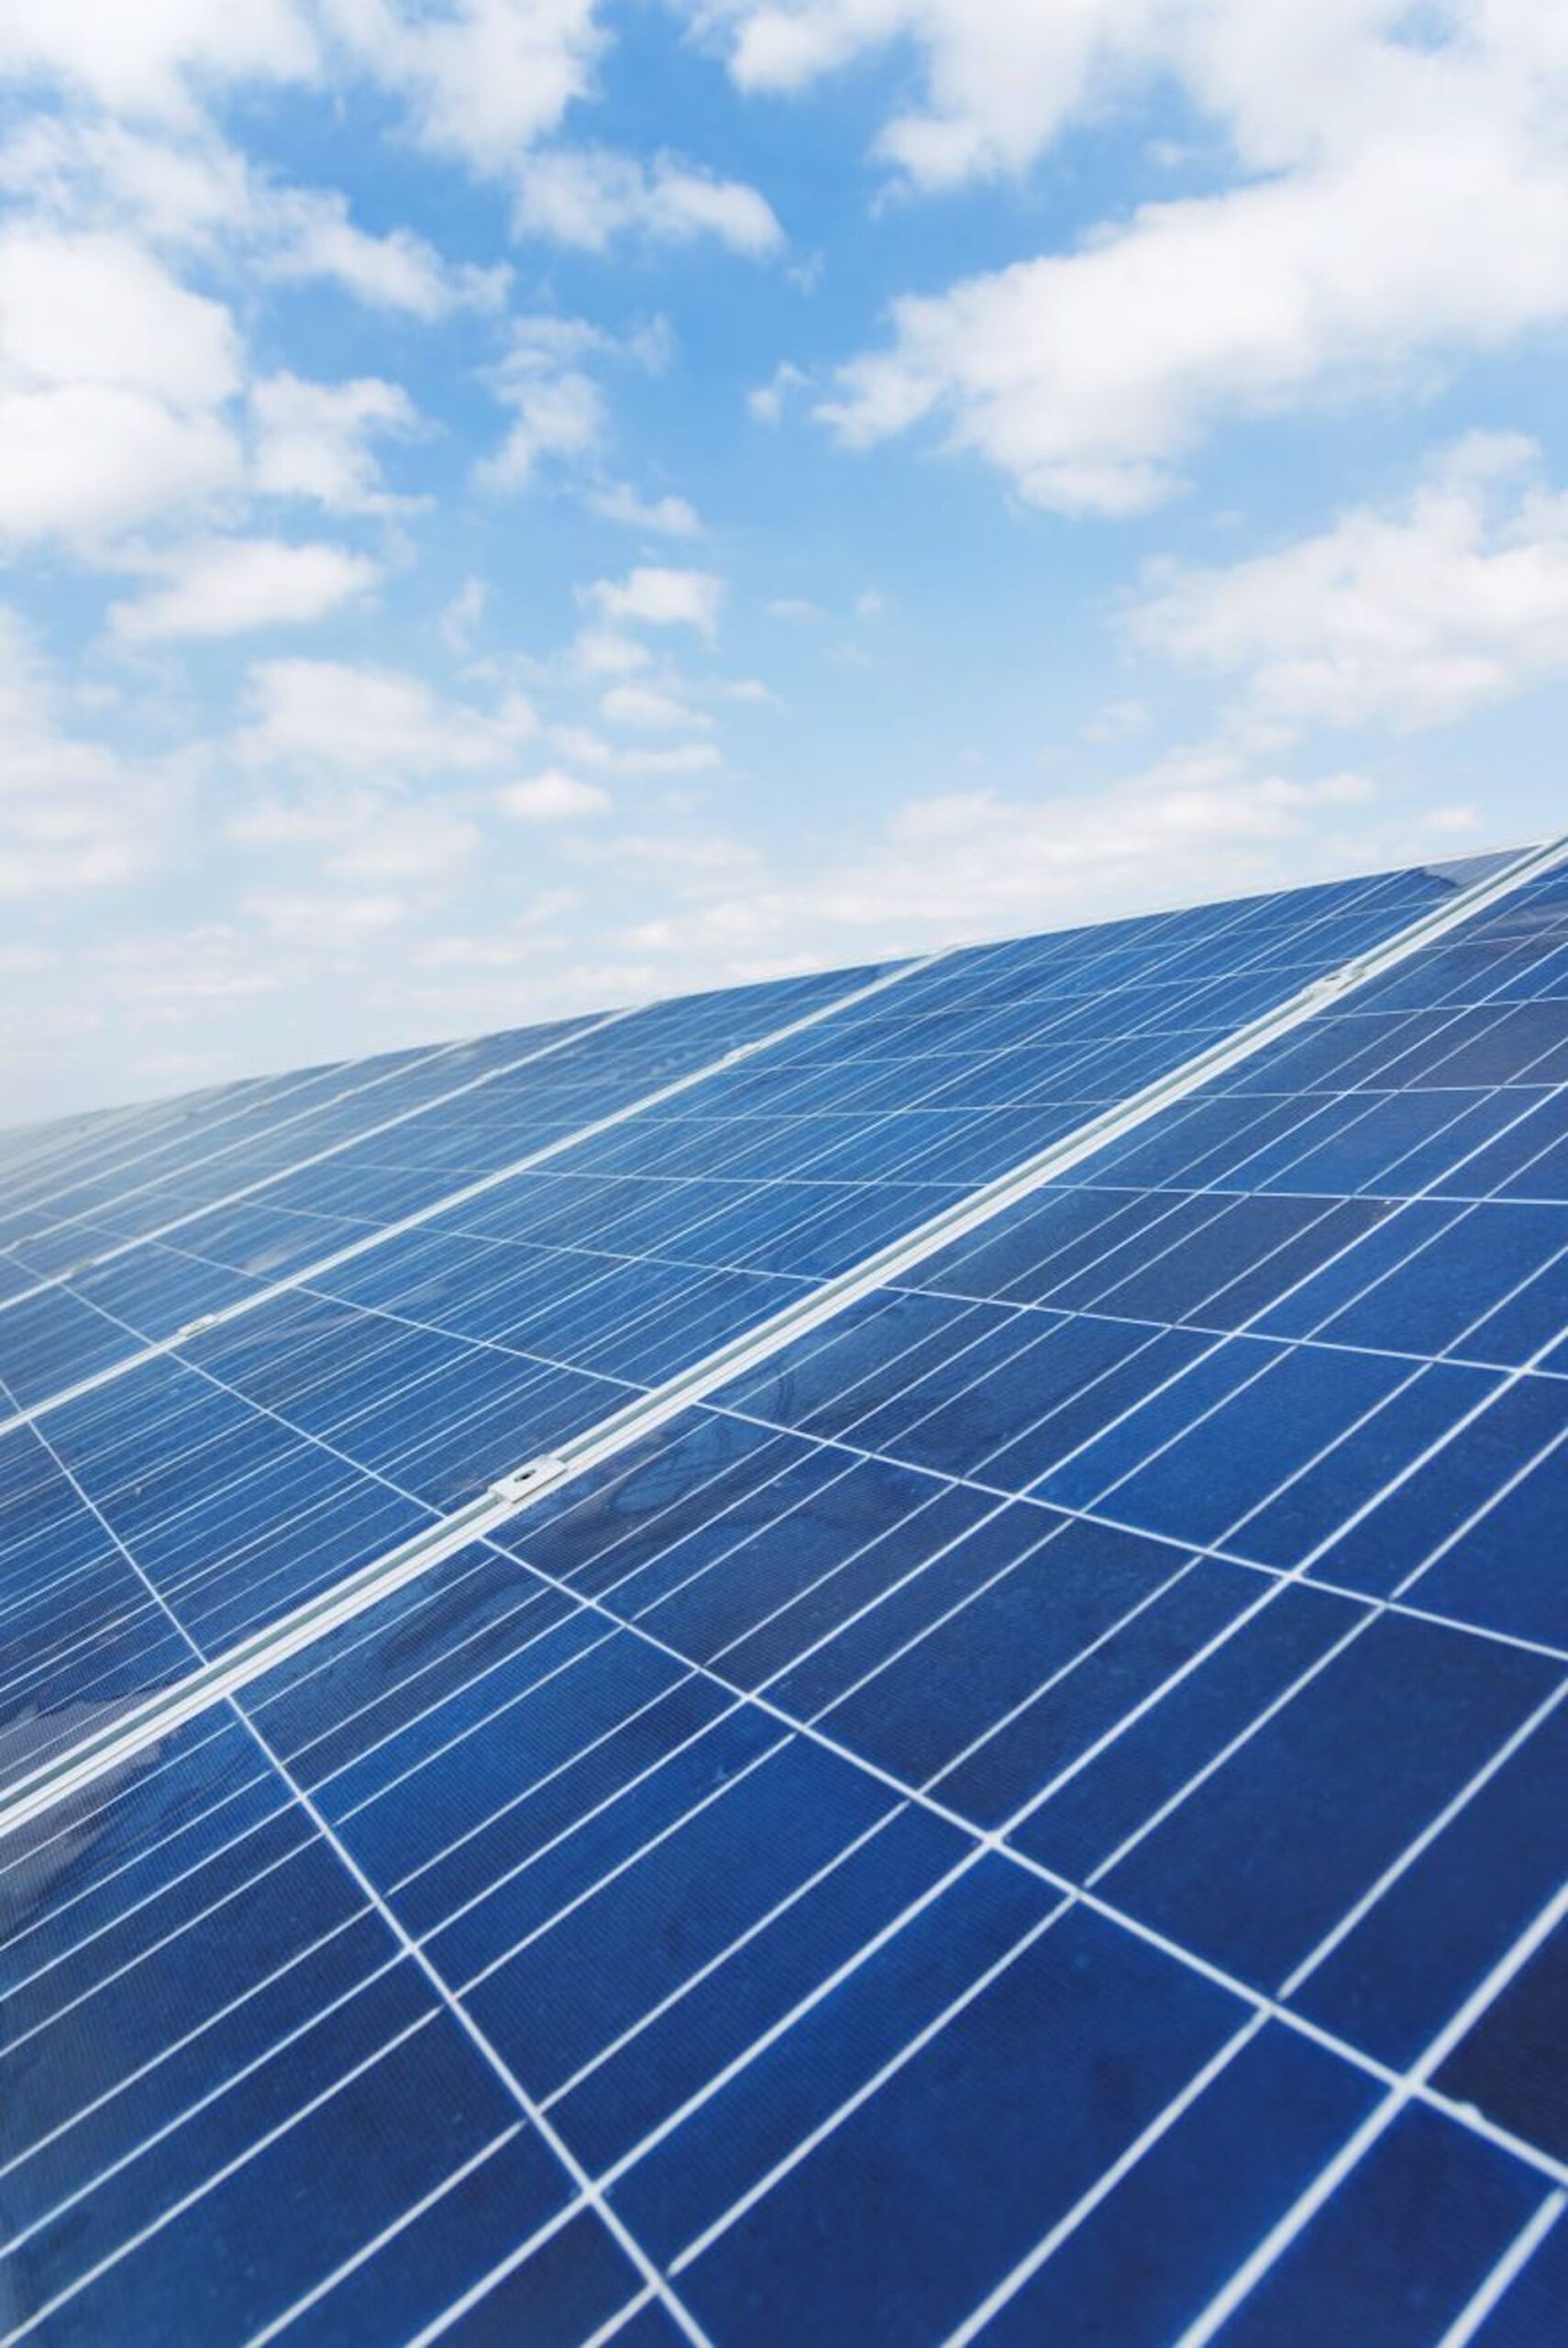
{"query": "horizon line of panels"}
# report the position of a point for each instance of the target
(158, 1520)
(555, 1077)
(818, 1722)
(315, 1102)
(1015, 1083)
(120, 1153)
(991, 1089)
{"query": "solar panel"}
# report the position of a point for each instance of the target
(1032, 1808)
(225, 1480)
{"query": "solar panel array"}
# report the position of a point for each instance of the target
(1037, 1810)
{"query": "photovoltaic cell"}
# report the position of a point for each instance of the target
(1036, 1814)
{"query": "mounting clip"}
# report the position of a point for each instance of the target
(524, 1482)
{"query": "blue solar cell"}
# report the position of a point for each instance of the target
(1193, 2207)
(1326, 1793)
(1528, 2309)
(958, 2127)
(1428, 1943)
(1398, 2251)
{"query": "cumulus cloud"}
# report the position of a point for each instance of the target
(648, 709)
(1408, 615)
(767, 401)
(652, 596)
(590, 196)
(228, 586)
(114, 382)
(482, 79)
(1398, 193)
(463, 614)
(356, 836)
(143, 56)
(606, 652)
(312, 439)
(74, 814)
(988, 863)
(377, 725)
(185, 191)
(668, 517)
(675, 758)
(552, 797)
(562, 416)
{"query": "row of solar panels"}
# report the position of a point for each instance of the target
(1038, 1810)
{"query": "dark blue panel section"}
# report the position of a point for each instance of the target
(1396, 2254)
(1529, 2312)
(944, 2178)
(563, 2293)
(1510, 2064)
(1266, 1855)
(1175, 1731)
(1506, 1571)
(1150, 2258)
(1442, 1495)
(208, 2029)
(1392, 1983)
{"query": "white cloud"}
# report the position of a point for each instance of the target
(463, 614)
(376, 724)
(483, 79)
(604, 652)
(552, 798)
(1116, 721)
(561, 416)
(310, 439)
(670, 517)
(590, 750)
(560, 413)
(305, 916)
(74, 814)
(358, 837)
(654, 597)
(87, 461)
(225, 586)
(182, 190)
(139, 56)
(1408, 616)
(980, 863)
(796, 611)
(98, 309)
(114, 382)
(307, 233)
(647, 709)
(588, 195)
(1400, 196)
(767, 401)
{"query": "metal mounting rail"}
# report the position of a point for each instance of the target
(144, 1724)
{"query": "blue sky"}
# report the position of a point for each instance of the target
(510, 506)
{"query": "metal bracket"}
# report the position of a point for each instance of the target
(524, 1482)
